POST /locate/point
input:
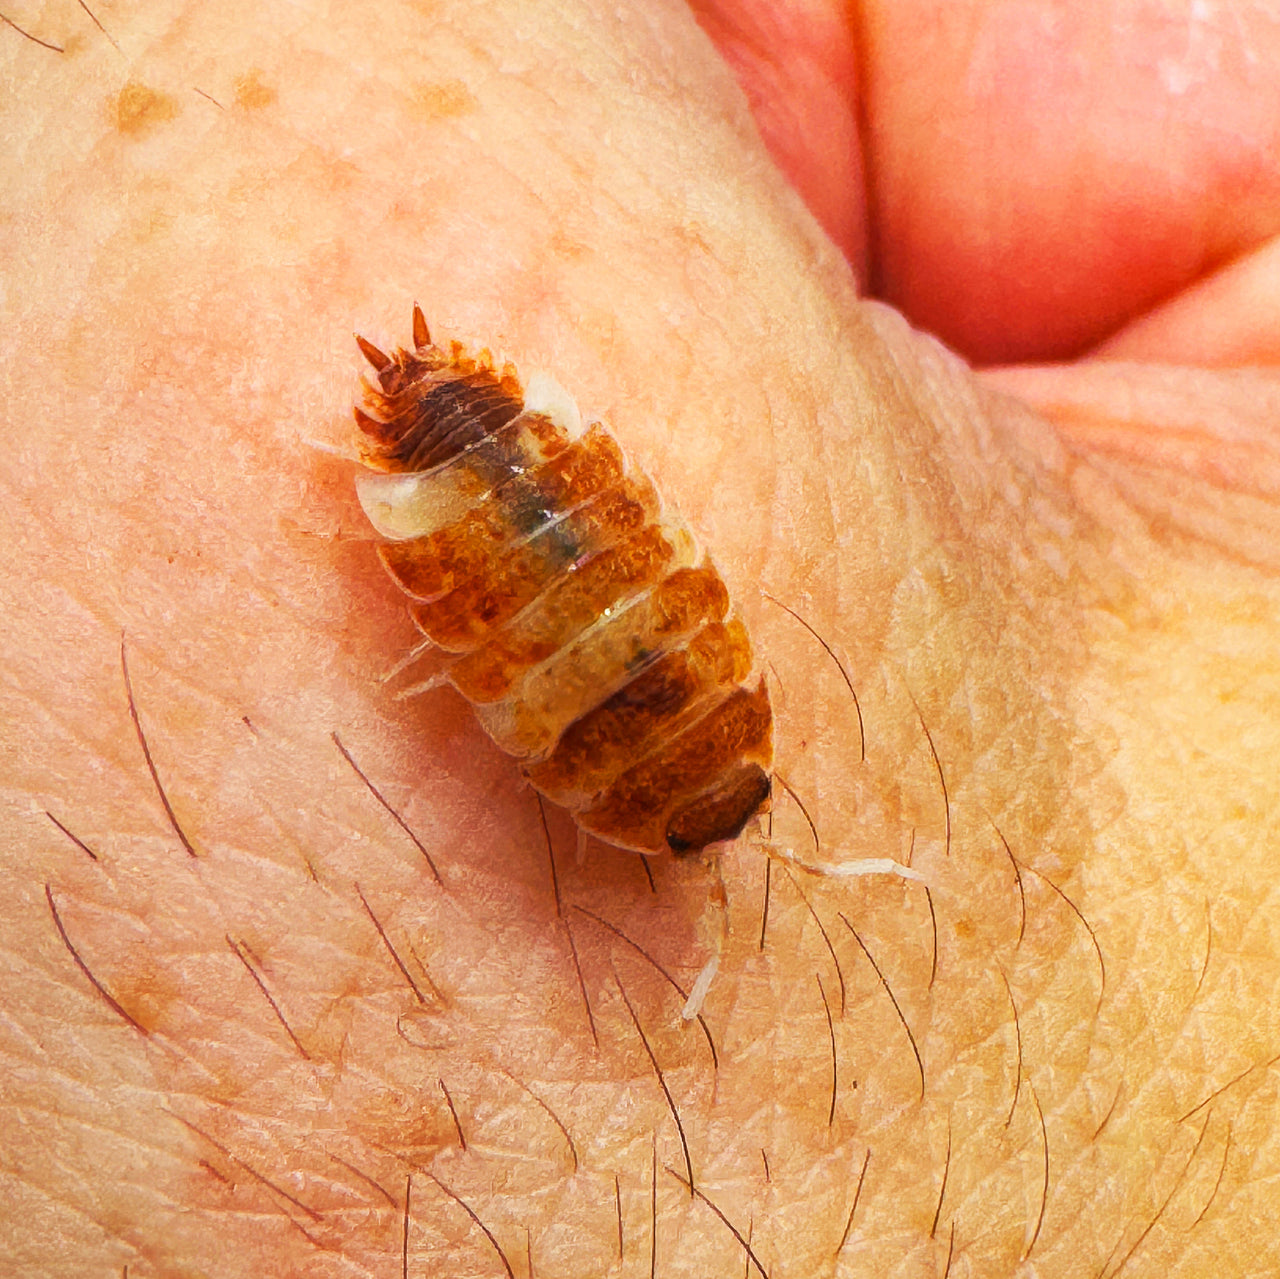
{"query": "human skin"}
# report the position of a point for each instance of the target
(1054, 590)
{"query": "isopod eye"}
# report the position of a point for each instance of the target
(544, 395)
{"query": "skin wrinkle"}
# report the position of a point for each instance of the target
(904, 514)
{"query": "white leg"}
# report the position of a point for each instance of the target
(426, 686)
(697, 996)
(845, 869)
(407, 660)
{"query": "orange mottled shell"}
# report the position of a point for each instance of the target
(594, 642)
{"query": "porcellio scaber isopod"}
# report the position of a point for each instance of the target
(594, 641)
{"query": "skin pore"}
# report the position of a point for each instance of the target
(284, 952)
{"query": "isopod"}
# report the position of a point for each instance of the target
(575, 612)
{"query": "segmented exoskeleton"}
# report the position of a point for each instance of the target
(593, 640)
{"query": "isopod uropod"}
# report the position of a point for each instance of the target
(594, 642)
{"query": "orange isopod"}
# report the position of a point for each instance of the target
(594, 642)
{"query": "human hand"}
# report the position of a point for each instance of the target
(1078, 618)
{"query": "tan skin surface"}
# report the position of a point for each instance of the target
(1072, 624)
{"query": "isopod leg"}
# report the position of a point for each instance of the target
(842, 870)
(406, 661)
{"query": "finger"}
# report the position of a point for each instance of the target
(1231, 317)
(1038, 177)
(1047, 174)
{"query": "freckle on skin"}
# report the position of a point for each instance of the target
(138, 108)
(251, 93)
(445, 100)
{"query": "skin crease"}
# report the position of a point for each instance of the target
(1079, 603)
